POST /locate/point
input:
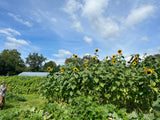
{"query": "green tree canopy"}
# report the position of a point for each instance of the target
(35, 62)
(11, 62)
(51, 64)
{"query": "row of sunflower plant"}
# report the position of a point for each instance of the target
(129, 84)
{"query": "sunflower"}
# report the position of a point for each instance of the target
(86, 61)
(114, 70)
(136, 58)
(134, 63)
(153, 58)
(106, 57)
(85, 64)
(62, 71)
(144, 68)
(67, 62)
(75, 69)
(82, 81)
(87, 68)
(152, 70)
(49, 69)
(114, 56)
(93, 58)
(75, 56)
(96, 50)
(119, 51)
(114, 61)
(149, 71)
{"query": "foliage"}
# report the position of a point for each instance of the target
(51, 64)
(14, 97)
(35, 62)
(22, 84)
(114, 81)
(11, 62)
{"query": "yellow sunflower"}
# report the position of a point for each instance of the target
(75, 69)
(149, 71)
(93, 58)
(114, 56)
(62, 71)
(96, 50)
(144, 68)
(106, 57)
(87, 68)
(152, 70)
(86, 61)
(114, 61)
(114, 70)
(82, 81)
(75, 56)
(67, 62)
(119, 51)
(85, 64)
(136, 58)
(134, 63)
(49, 69)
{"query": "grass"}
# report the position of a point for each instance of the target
(31, 100)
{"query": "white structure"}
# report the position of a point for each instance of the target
(41, 74)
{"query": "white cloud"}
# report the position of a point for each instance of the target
(93, 10)
(62, 53)
(144, 38)
(72, 8)
(53, 20)
(158, 48)
(58, 61)
(11, 45)
(77, 25)
(88, 40)
(17, 18)
(9, 32)
(139, 14)
(16, 41)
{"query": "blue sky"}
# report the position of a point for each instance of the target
(59, 28)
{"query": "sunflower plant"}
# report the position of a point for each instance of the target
(112, 81)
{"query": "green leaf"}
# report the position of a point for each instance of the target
(118, 83)
(113, 88)
(71, 93)
(102, 85)
(96, 80)
(73, 87)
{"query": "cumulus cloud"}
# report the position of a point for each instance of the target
(72, 8)
(17, 18)
(144, 38)
(17, 41)
(139, 14)
(62, 53)
(88, 40)
(9, 32)
(11, 45)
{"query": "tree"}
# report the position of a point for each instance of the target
(35, 62)
(11, 62)
(87, 57)
(51, 64)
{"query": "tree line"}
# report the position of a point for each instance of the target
(11, 62)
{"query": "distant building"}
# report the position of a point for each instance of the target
(41, 74)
